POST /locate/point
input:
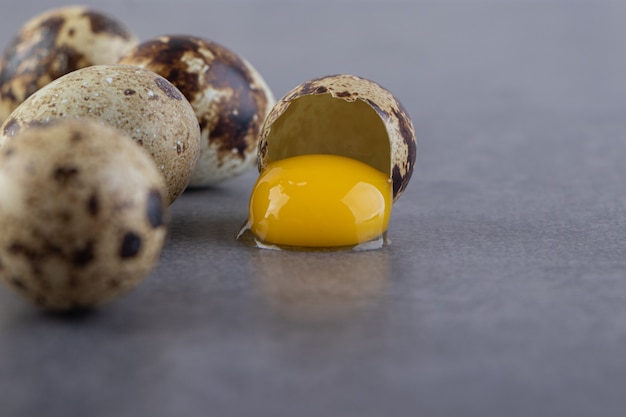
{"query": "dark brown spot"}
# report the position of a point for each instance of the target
(239, 115)
(321, 90)
(93, 205)
(131, 245)
(18, 283)
(86, 98)
(71, 32)
(63, 174)
(83, 256)
(343, 94)
(76, 137)
(154, 209)
(179, 148)
(396, 177)
(101, 23)
(129, 92)
(139, 142)
(66, 216)
(165, 56)
(168, 88)
(113, 284)
(11, 128)
(34, 256)
(73, 281)
(16, 248)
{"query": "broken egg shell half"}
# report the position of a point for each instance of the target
(55, 43)
(82, 212)
(343, 115)
(144, 105)
(228, 95)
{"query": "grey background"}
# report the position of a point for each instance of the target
(503, 292)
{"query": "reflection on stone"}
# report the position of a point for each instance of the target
(321, 286)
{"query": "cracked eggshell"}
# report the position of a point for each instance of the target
(141, 103)
(55, 43)
(228, 95)
(343, 115)
(82, 213)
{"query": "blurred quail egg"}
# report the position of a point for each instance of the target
(334, 154)
(57, 42)
(141, 103)
(83, 214)
(229, 96)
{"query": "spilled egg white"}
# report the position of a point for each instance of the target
(343, 115)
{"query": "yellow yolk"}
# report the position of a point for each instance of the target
(320, 201)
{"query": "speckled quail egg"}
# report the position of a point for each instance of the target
(229, 96)
(83, 214)
(143, 104)
(334, 154)
(55, 43)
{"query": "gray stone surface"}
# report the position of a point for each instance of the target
(503, 292)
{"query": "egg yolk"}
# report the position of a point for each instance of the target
(320, 201)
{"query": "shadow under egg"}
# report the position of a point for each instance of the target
(319, 287)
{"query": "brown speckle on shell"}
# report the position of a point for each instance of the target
(64, 174)
(84, 255)
(131, 245)
(104, 24)
(18, 283)
(93, 205)
(168, 89)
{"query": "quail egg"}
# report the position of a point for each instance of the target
(334, 154)
(54, 43)
(141, 103)
(83, 214)
(229, 96)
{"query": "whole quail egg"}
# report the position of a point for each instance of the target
(141, 103)
(334, 154)
(83, 214)
(54, 43)
(229, 96)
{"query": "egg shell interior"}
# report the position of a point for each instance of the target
(321, 124)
